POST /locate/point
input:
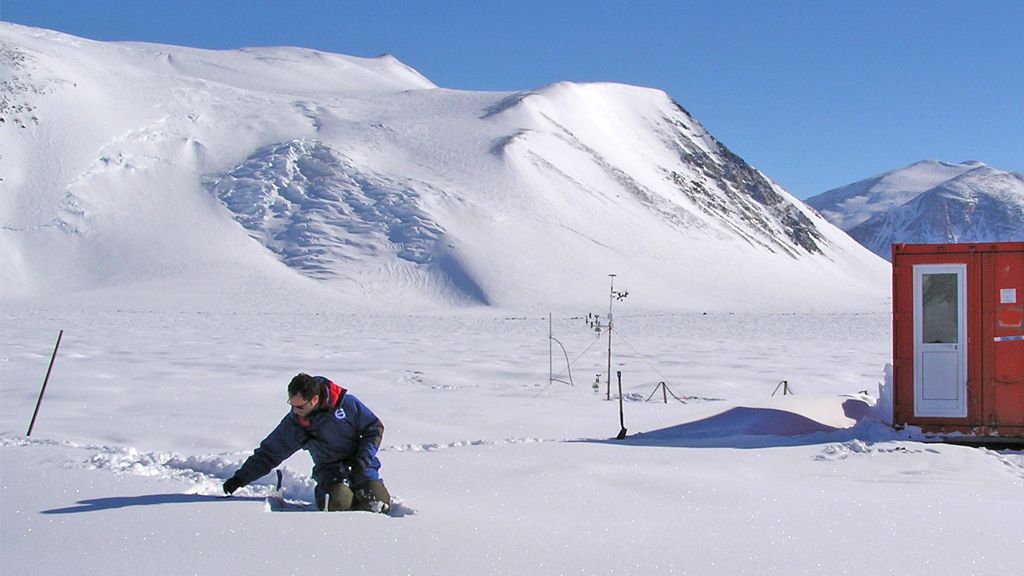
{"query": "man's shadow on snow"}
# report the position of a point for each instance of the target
(98, 504)
(398, 508)
(744, 427)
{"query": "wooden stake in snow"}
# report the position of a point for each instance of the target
(45, 381)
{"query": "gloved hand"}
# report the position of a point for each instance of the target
(359, 463)
(355, 467)
(232, 484)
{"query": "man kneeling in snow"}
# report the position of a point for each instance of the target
(340, 433)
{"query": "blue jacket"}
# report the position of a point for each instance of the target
(342, 437)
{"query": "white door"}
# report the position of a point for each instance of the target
(940, 340)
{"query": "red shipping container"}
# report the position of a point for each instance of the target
(958, 338)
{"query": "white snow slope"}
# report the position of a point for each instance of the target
(132, 221)
(361, 180)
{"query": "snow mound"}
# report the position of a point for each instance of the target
(789, 422)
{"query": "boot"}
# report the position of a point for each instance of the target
(372, 496)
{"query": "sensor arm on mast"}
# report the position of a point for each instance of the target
(612, 297)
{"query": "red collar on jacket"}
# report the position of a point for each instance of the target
(334, 394)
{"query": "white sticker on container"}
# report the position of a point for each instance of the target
(1008, 296)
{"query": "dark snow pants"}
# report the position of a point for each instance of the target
(370, 496)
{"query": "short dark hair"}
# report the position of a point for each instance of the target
(304, 385)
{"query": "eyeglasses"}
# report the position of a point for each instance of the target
(302, 406)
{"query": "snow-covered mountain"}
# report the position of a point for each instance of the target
(275, 172)
(929, 202)
(199, 226)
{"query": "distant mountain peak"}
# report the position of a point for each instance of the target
(929, 202)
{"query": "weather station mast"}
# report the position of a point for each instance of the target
(612, 297)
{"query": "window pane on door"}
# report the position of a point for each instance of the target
(939, 309)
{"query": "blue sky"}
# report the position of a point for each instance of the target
(816, 94)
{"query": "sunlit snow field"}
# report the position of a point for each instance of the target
(495, 470)
(203, 225)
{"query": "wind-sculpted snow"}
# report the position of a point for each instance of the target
(316, 210)
(319, 213)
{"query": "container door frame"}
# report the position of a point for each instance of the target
(944, 392)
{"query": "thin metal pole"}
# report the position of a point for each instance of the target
(608, 394)
(45, 381)
(611, 299)
(622, 417)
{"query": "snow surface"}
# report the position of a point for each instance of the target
(181, 332)
(495, 471)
